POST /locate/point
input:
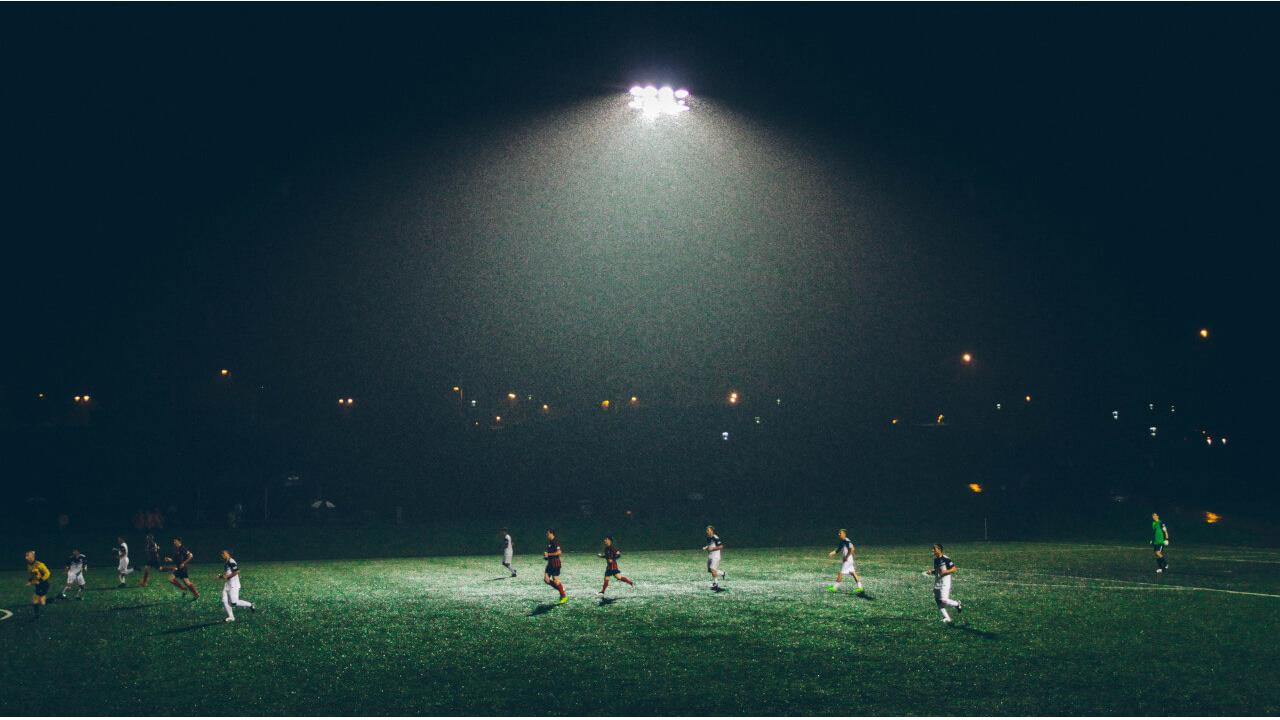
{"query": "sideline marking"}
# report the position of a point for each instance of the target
(1145, 585)
(7, 614)
(1226, 559)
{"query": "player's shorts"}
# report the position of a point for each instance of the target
(75, 578)
(553, 571)
(610, 572)
(849, 567)
(1157, 547)
(713, 561)
(180, 573)
(153, 564)
(42, 588)
(506, 557)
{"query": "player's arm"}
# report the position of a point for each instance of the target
(948, 571)
(1166, 533)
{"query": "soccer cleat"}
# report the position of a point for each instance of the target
(859, 589)
(253, 608)
(565, 599)
(946, 620)
(600, 592)
(230, 619)
(1159, 570)
(833, 588)
(959, 607)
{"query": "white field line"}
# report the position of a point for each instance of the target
(5, 614)
(1244, 560)
(1145, 585)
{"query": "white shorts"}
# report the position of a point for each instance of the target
(849, 567)
(713, 561)
(506, 556)
(124, 563)
(75, 578)
(942, 588)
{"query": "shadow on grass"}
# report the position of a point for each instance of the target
(504, 577)
(608, 600)
(191, 628)
(984, 634)
(865, 596)
(543, 608)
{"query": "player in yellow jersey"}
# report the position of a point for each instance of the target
(38, 577)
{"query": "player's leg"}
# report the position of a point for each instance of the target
(606, 584)
(195, 594)
(938, 595)
(146, 576)
(174, 581)
(71, 580)
(626, 580)
(235, 599)
(226, 604)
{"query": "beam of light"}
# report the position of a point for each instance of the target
(653, 102)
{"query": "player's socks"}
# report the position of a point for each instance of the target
(946, 617)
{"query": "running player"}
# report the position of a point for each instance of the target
(182, 557)
(610, 555)
(1160, 542)
(942, 571)
(551, 575)
(38, 577)
(152, 550)
(230, 578)
(122, 552)
(76, 565)
(508, 551)
(713, 549)
(848, 562)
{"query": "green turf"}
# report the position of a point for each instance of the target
(1048, 629)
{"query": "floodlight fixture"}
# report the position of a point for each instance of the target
(653, 102)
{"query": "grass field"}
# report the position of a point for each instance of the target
(1047, 629)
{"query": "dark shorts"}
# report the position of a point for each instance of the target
(153, 564)
(1157, 548)
(553, 571)
(180, 573)
(42, 588)
(610, 572)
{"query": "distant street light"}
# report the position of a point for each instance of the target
(966, 358)
(224, 372)
(733, 398)
(511, 396)
(1204, 333)
(975, 487)
(604, 404)
(1027, 398)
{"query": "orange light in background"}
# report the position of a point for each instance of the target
(604, 404)
(966, 358)
(1027, 398)
(224, 372)
(1204, 333)
(457, 389)
(76, 399)
(511, 396)
(86, 398)
(975, 487)
(634, 399)
(733, 398)
(1211, 517)
(40, 395)
(546, 407)
(497, 418)
(893, 421)
(941, 417)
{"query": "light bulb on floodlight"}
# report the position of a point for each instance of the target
(652, 101)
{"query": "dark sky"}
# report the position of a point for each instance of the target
(369, 199)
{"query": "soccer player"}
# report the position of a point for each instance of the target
(713, 549)
(152, 550)
(38, 577)
(76, 565)
(610, 555)
(1160, 542)
(122, 552)
(182, 557)
(508, 551)
(230, 578)
(848, 562)
(943, 569)
(551, 575)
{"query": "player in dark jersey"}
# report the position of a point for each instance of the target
(152, 549)
(943, 569)
(551, 575)
(848, 562)
(182, 557)
(611, 554)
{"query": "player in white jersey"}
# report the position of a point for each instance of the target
(76, 565)
(713, 549)
(230, 578)
(122, 554)
(508, 551)
(848, 562)
(942, 571)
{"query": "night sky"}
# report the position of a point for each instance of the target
(384, 200)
